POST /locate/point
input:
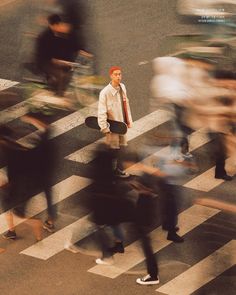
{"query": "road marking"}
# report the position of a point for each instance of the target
(73, 120)
(188, 220)
(4, 84)
(198, 139)
(14, 112)
(206, 181)
(6, 2)
(22, 108)
(86, 154)
(60, 191)
(69, 122)
(60, 126)
(203, 272)
(40, 249)
(56, 242)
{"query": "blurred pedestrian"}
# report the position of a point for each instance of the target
(29, 168)
(56, 49)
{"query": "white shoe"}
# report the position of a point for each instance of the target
(147, 280)
(108, 261)
(121, 174)
(72, 248)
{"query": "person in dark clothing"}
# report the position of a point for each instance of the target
(29, 168)
(111, 205)
(75, 13)
(56, 48)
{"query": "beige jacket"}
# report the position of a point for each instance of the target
(110, 107)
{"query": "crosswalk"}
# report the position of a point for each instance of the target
(133, 256)
(191, 218)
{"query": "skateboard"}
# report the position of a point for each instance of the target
(115, 126)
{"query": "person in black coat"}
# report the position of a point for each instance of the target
(56, 48)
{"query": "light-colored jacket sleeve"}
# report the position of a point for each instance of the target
(102, 113)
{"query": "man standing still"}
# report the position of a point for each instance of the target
(114, 105)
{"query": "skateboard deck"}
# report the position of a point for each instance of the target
(115, 126)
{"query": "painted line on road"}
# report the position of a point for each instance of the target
(83, 227)
(56, 242)
(203, 272)
(61, 126)
(198, 139)
(73, 120)
(20, 109)
(206, 181)
(6, 2)
(40, 250)
(14, 112)
(187, 220)
(60, 192)
(69, 122)
(145, 124)
(4, 84)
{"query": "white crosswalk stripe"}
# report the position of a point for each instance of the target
(202, 272)
(198, 139)
(16, 111)
(141, 126)
(60, 126)
(39, 249)
(57, 242)
(206, 181)
(4, 84)
(60, 191)
(188, 220)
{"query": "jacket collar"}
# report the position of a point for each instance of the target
(113, 90)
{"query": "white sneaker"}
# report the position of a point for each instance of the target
(147, 280)
(72, 248)
(121, 174)
(108, 261)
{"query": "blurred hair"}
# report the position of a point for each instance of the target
(54, 19)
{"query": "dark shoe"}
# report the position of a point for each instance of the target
(164, 227)
(121, 174)
(49, 226)
(172, 236)
(118, 248)
(147, 280)
(225, 177)
(9, 235)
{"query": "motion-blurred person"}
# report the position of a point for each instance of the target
(75, 13)
(197, 98)
(161, 177)
(29, 168)
(56, 48)
(112, 205)
(107, 202)
(212, 107)
(114, 105)
(169, 86)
